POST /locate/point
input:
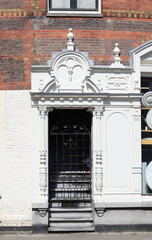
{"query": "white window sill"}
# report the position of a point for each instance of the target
(74, 14)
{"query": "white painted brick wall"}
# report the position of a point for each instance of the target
(15, 158)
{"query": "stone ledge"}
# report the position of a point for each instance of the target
(143, 204)
(10, 229)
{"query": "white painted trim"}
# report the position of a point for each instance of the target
(135, 61)
(96, 13)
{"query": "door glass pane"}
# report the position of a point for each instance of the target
(87, 4)
(60, 3)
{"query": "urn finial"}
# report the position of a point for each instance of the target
(70, 38)
(117, 53)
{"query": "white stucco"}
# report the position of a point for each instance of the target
(15, 158)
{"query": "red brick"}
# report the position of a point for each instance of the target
(28, 36)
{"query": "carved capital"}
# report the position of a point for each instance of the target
(98, 111)
(42, 111)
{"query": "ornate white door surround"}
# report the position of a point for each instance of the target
(71, 81)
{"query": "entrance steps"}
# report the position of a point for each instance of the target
(71, 219)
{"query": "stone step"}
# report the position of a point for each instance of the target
(87, 209)
(69, 204)
(70, 199)
(71, 229)
(66, 195)
(76, 181)
(70, 215)
(71, 224)
(69, 220)
(69, 172)
(65, 185)
(70, 189)
(69, 179)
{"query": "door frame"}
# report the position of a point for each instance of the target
(42, 105)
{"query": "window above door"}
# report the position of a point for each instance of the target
(74, 8)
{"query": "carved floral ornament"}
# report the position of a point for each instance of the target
(70, 70)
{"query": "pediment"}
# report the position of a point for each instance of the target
(70, 72)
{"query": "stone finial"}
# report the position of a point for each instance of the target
(117, 53)
(70, 38)
(117, 59)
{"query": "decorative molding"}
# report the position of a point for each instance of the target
(99, 172)
(43, 180)
(100, 211)
(41, 84)
(117, 82)
(98, 180)
(136, 113)
(42, 211)
(42, 157)
(136, 170)
(99, 84)
(136, 118)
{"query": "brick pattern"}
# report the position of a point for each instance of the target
(134, 5)
(127, 14)
(28, 37)
(10, 4)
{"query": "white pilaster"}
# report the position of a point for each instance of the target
(136, 166)
(43, 169)
(97, 154)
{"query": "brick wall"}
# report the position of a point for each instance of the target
(28, 37)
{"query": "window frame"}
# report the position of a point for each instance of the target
(75, 11)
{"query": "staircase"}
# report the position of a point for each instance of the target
(70, 202)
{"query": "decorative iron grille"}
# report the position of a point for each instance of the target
(69, 155)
